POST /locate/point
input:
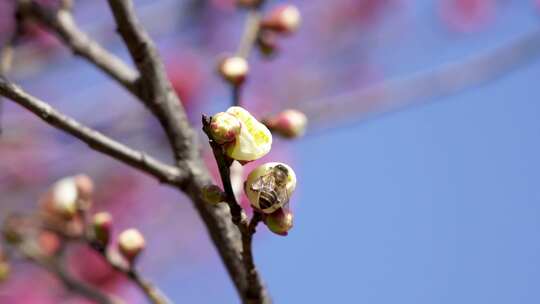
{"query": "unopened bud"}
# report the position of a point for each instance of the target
(85, 186)
(64, 197)
(289, 123)
(234, 69)
(213, 194)
(267, 43)
(130, 244)
(283, 19)
(279, 222)
(48, 242)
(102, 225)
(225, 127)
(284, 180)
(13, 228)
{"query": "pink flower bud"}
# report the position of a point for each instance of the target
(48, 242)
(130, 244)
(279, 222)
(64, 198)
(289, 123)
(267, 43)
(225, 127)
(102, 225)
(283, 19)
(85, 186)
(234, 69)
(213, 194)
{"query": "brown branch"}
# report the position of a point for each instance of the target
(62, 24)
(416, 89)
(152, 292)
(251, 31)
(55, 267)
(255, 291)
(93, 138)
(155, 88)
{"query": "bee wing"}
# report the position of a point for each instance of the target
(258, 184)
(283, 196)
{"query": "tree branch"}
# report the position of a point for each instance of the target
(62, 24)
(53, 265)
(94, 139)
(255, 291)
(154, 86)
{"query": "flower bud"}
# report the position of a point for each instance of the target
(224, 127)
(130, 244)
(261, 173)
(85, 186)
(49, 242)
(14, 228)
(289, 123)
(64, 197)
(267, 43)
(213, 194)
(283, 19)
(102, 225)
(279, 222)
(254, 140)
(234, 69)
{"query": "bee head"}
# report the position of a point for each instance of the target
(281, 174)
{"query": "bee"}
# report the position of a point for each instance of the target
(271, 189)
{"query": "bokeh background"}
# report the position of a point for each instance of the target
(432, 198)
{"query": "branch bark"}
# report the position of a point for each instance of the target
(62, 24)
(94, 139)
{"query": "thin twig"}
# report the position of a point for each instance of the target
(94, 139)
(255, 292)
(55, 267)
(151, 291)
(62, 24)
(251, 31)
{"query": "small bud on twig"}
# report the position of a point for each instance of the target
(279, 222)
(130, 244)
(289, 123)
(102, 225)
(85, 186)
(283, 19)
(213, 194)
(267, 43)
(265, 178)
(225, 127)
(234, 69)
(64, 198)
